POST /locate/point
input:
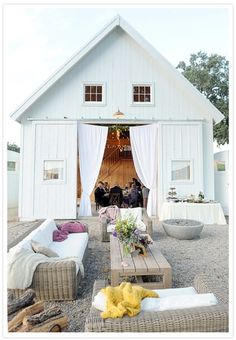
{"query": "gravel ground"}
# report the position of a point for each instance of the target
(208, 253)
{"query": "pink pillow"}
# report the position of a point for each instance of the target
(73, 227)
(59, 235)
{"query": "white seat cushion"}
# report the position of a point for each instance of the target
(178, 302)
(174, 298)
(73, 246)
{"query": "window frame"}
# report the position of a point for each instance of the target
(94, 103)
(15, 168)
(182, 181)
(139, 84)
(54, 181)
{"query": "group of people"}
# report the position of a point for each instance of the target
(133, 195)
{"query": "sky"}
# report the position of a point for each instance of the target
(39, 39)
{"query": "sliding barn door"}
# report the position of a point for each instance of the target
(55, 170)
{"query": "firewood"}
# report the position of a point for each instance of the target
(18, 319)
(45, 326)
(43, 316)
(24, 300)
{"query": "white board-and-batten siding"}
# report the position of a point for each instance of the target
(180, 142)
(117, 62)
(48, 199)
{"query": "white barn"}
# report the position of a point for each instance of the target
(116, 69)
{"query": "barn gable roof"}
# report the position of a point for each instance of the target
(119, 21)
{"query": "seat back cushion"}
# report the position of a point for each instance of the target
(134, 212)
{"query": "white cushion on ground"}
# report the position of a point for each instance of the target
(74, 245)
(134, 212)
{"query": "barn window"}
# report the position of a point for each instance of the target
(181, 170)
(53, 170)
(142, 94)
(11, 166)
(94, 94)
(220, 166)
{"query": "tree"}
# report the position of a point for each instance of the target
(13, 147)
(210, 75)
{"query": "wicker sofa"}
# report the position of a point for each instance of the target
(56, 280)
(198, 319)
(107, 228)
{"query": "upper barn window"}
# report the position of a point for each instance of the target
(142, 94)
(94, 93)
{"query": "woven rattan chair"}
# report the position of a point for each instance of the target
(198, 319)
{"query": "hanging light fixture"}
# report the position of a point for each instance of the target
(118, 114)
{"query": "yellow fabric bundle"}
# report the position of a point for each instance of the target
(124, 299)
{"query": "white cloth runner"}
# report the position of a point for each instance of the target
(22, 264)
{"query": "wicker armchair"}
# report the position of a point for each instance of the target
(104, 223)
(198, 319)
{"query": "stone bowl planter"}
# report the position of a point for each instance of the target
(182, 229)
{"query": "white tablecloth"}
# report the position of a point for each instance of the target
(208, 213)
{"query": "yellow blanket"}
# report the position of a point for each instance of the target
(124, 299)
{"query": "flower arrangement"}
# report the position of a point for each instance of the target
(130, 237)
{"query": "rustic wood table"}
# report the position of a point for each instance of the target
(150, 271)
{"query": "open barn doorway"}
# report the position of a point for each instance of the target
(117, 165)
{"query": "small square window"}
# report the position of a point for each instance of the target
(11, 166)
(93, 93)
(53, 170)
(142, 94)
(180, 170)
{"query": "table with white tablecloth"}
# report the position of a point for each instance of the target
(207, 213)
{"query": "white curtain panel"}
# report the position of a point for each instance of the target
(144, 150)
(92, 141)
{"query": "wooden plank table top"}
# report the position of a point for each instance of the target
(154, 263)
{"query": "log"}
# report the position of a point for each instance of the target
(43, 316)
(28, 311)
(45, 326)
(24, 300)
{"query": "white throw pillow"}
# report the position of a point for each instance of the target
(141, 225)
(40, 248)
(99, 301)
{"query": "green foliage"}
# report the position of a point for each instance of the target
(13, 147)
(210, 75)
